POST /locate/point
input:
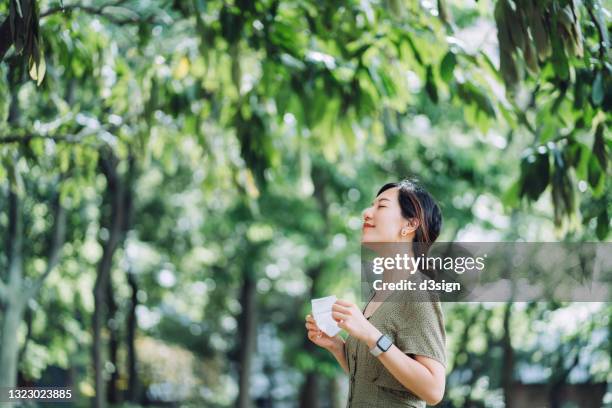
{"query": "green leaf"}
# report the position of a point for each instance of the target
(357, 53)
(577, 155)
(535, 173)
(595, 175)
(559, 58)
(38, 69)
(510, 198)
(562, 191)
(597, 93)
(599, 147)
(508, 115)
(387, 84)
(64, 159)
(430, 85)
(415, 51)
(447, 66)
(483, 102)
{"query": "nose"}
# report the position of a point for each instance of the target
(367, 214)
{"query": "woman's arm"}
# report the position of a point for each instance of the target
(334, 345)
(423, 376)
(338, 352)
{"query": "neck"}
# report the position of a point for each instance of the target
(406, 267)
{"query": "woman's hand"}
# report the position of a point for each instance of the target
(321, 339)
(350, 318)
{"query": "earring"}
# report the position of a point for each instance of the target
(404, 232)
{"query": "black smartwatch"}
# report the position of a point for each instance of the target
(383, 344)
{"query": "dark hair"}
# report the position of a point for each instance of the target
(416, 202)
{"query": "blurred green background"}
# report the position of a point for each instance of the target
(180, 178)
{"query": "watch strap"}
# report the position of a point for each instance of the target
(377, 350)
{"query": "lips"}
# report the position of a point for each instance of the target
(367, 225)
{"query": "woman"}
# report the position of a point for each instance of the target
(395, 351)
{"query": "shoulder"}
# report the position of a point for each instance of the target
(411, 311)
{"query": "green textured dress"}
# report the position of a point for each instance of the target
(416, 326)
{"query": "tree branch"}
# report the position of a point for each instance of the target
(71, 139)
(27, 138)
(100, 11)
(79, 7)
(57, 242)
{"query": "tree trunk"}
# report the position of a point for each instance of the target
(128, 199)
(98, 359)
(508, 358)
(132, 391)
(6, 39)
(558, 379)
(14, 295)
(108, 163)
(309, 394)
(310, 391)
(13, 305)
(247, 330)
(113, 344)
(10, 345)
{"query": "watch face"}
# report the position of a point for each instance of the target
(384, 343)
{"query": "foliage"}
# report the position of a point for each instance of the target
(250, 136)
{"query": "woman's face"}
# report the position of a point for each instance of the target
(383, 221)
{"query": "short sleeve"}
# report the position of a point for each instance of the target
(419, 329)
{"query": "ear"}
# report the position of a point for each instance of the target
(412, 224)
